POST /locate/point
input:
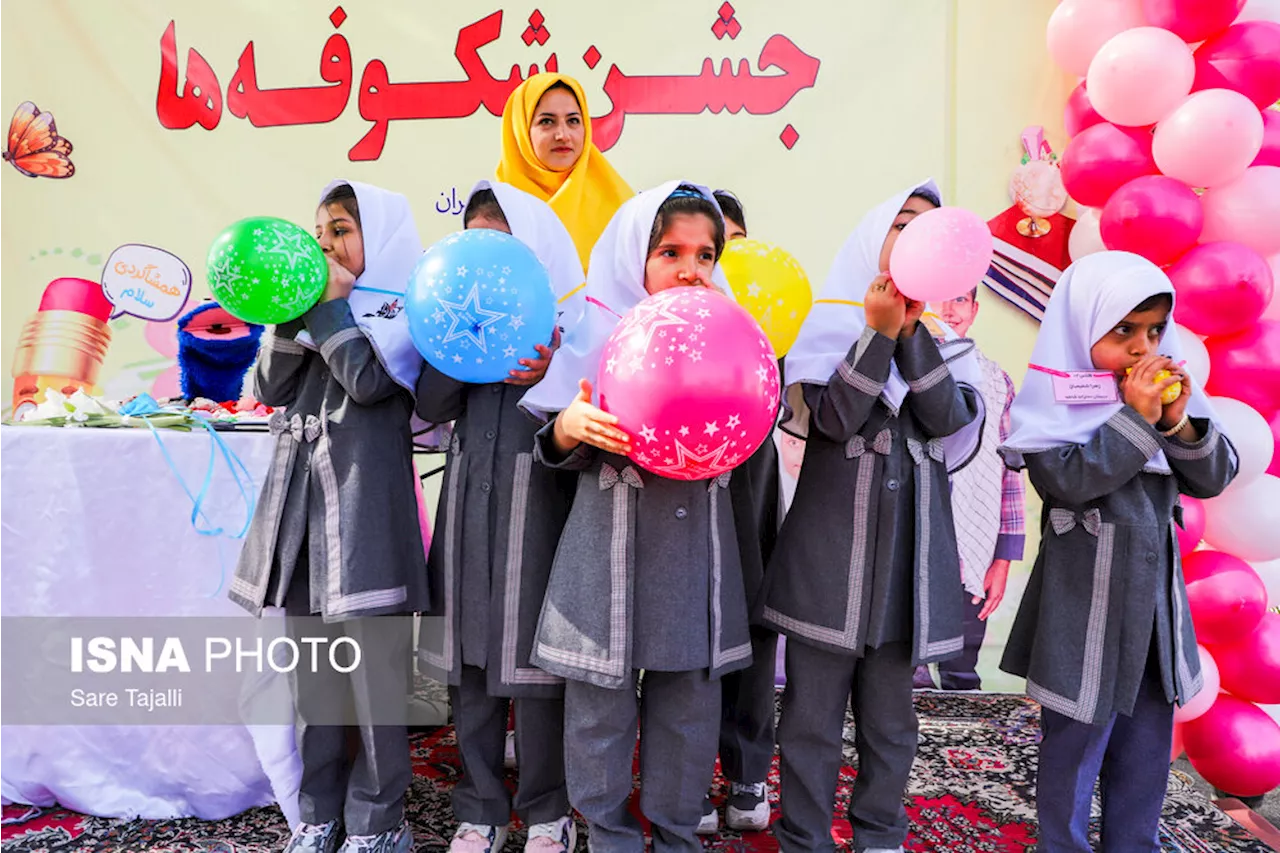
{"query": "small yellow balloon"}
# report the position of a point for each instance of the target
(772, 286)
(1173, 392)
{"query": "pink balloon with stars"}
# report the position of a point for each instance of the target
(693, 381)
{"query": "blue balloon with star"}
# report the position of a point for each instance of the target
(479, 301)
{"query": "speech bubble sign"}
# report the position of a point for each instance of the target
(146, 282)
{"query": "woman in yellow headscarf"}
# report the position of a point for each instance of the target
(547, 151)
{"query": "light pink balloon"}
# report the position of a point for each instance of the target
(1210, 139)
(1208, 694)
(1086, 234)
(1272, 311)
(1250, 434)
(943, 253)
(1246, 518)
(1077, 28)
(1246, 210)
(1260, 10)
(699, 411)
(1197, 357)
(1140, 76)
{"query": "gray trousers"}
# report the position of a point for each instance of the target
(480, 725)
(820, 685)
(367, 791)
(746, 720)
(678, 714)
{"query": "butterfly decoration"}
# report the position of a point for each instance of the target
(35, 148)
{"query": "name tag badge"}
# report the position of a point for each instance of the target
(1080, 387)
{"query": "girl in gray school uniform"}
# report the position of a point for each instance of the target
(865, 576)
(336, 531)
(1104, 634)
(499, 521)
(647, 575)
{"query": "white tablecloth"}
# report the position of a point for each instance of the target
(96, 523)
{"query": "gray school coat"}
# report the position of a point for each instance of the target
(1108, 573)
(341, 483)
(647, 575)
(497, 526)
(867, 553)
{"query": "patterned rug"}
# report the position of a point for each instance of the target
(971, 790)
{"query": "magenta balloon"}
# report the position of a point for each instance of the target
(1222, 288)
(1192, 529)
(1246, 58)
(1246, 366)
(1226, 596)
(1153, 216)
(693, 381)
(1270, 153)
(1250, 667)
(1104, 158)
(1191, 20)
(1235, 746)
(1079, 113)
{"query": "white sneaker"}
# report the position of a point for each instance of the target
(558, 836)
(710, 823)
(748, 809)
(478, 838)
(509, 752)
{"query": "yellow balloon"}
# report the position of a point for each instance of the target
(772, 286)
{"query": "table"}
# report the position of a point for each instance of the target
(96, 523)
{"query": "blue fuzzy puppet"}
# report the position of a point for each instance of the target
(215, 351)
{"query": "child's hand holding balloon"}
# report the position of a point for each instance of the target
(583, 422)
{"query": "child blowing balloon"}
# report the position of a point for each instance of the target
(1104, 635)
(646, 577)
(499, 523)
(336, 530)
(865, 577)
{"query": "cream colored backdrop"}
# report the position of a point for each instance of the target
(905, 89)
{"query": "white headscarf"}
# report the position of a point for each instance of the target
(535, 224)
(831, 329)
(1090, 298)
(391, 249)
(615, 284)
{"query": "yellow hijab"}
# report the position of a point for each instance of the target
(586, 196)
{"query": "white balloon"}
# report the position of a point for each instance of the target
(1245, 521)
(1197, 357)
(1251, 435)
(1086, 234)
(1270, 574)
(1260, 10)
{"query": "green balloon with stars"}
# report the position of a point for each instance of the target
(266, 270)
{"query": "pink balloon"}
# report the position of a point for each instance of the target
(941, 254)
(1177, 748)
(1202, 701)
(1079, 113)
(1269, 154)
(1272, 311)
(1235, 746)
(1085, 237)
(1246, 210)
(1192, 529)
(1246, 366)
(1250, 667)
(1222, 288)
(1104, 158)
(1077, 28)
(1140, 76)
(1226, 596)
(693, 380)
(1274, 468)
(1246, 58)
(1157, 217)
(1210, 139)
(1192, 20)
(1245, 519)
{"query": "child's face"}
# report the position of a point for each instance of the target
(1134, 337)
(340, 237)
(913, 208)
(958, 313)
(484, 220)
(733, 231)
(684, 256)
(558, 132)
(792, 455)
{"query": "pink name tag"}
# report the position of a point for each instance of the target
(1078, 387)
